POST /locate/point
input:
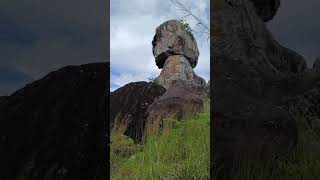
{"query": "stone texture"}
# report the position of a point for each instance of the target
(172, 38)
(129, 104)
(316, 64)
(179, 100)
(56, 127)
(266, 9)
(177, 67)
(241, 37)
(208, 88)
(253, 77)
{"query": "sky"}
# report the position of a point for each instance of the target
(132, 27)
(297, 26)
(37, 37)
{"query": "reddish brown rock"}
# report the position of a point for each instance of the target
(177, 67)
(181, 99)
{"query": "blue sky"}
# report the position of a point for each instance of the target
(132, 27)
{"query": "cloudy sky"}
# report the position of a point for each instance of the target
(37, 37)
(132, 27)
(297, 26)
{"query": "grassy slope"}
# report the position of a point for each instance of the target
(181, 152)
(304, 164)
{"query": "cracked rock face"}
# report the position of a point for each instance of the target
(172, 38)
(241, 37)
(177, 67)
(176, 52)
(250, 70)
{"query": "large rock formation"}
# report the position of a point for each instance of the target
(266, 9)
(241, 37)
(252, 75)
(56, 128)
(172, 38)
(181, 99)
(177, 67)
(129, 105)
(147, 106)
(175, 50)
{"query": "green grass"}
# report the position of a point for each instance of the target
(303, 164)
(180, 152)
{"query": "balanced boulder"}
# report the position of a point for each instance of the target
(172, 38)
(176, 52)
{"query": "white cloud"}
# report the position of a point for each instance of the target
(133, 25)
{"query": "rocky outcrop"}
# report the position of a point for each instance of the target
(56, 127)
(242, 39)
(172, 38)
(316, 64)
(129, 105)
(266, 9)
(181, 99)
(252, 75)
(145, 107)
(177, 68)
(176, 52)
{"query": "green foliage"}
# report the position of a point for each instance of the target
(187, 26)
(303, 164)
(153, 80)
(181, 152)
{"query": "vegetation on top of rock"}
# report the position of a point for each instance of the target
(186, 26)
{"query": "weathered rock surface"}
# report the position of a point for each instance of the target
(180, 99)
(129, 105)
(175, 50)
(316, 64)
(177, 91)
(241, 37)
(208, 88)
(252, 80)
(177, 67)
(172, 38)
(56, 127)
(266, 9)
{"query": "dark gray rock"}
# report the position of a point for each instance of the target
(266, 9)
(56, 128)
(241, 37)
(253, 77)
(129, 105)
